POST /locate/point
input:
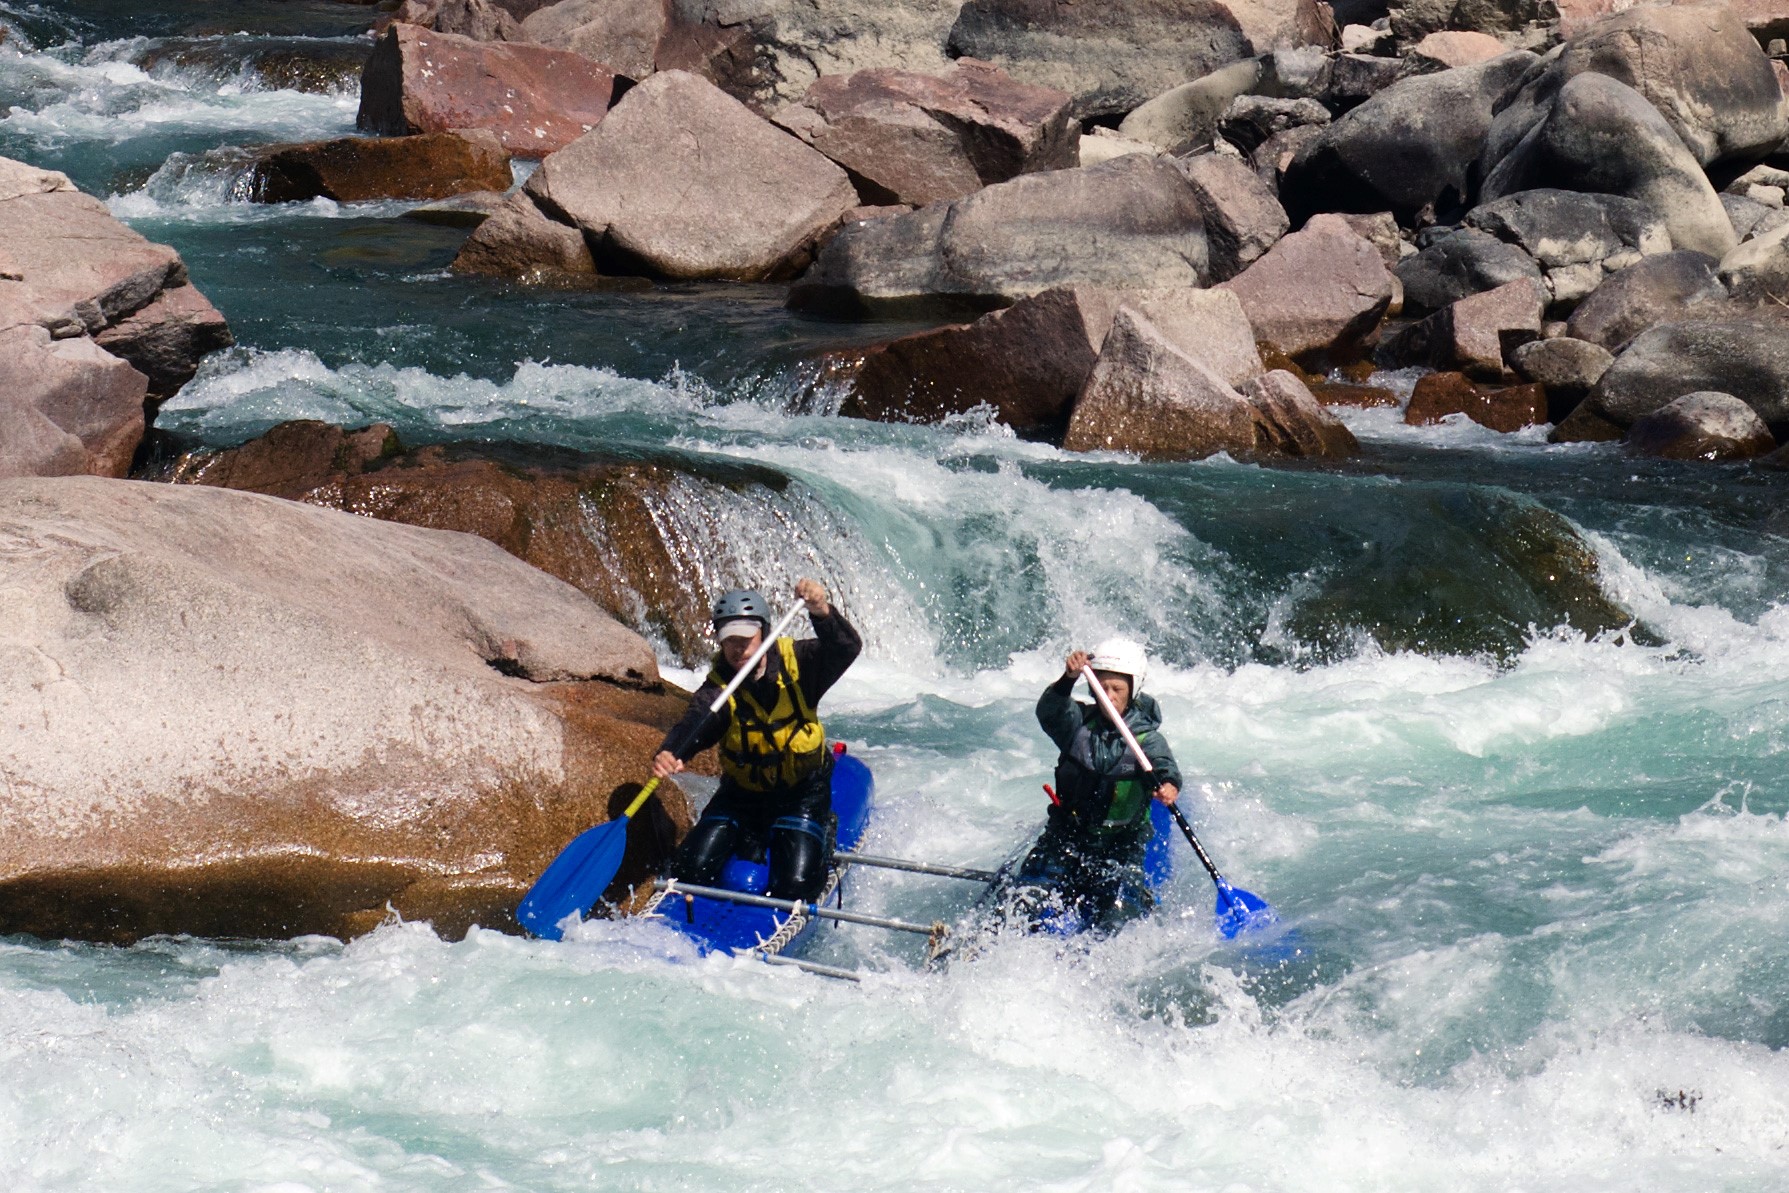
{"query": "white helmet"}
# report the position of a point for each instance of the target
(1124, 657)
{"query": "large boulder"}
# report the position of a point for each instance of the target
(682, 181)
(1111, 57)
(1577, 238)
(1462, 263)
(1243, 219)
(623, 35)
(1601, 135)
(233, 715)
(1409, 149)
(535, 99)
(1318, 292)
(1566, 368)
(1656, 290)
(67, 407)
(1470, 335)
(914, 139)
(1131, 223)
(1696, 65)
(1701, 426)
(357, 169)
(1746, 357)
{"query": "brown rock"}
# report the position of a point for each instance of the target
(914, 138)
(67, 407)
(1294, 422)
(623, 35)
(1440, 394)
(356, 169)
(1701, 426)
(535, 99)
(1320, 291)
(517, 241)
(1586, 424)
(1332, 393)
(685, 182)
(166, 339)
(271, 720)
(1148, 397)
(1471, 334)
(1243, 219)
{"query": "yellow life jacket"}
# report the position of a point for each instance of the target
(774, 747)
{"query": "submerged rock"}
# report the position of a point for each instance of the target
(232, 715)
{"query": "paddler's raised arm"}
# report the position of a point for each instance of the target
(1057, 711)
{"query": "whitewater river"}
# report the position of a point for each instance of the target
(1539, 880)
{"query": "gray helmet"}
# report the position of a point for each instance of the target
(742, 602)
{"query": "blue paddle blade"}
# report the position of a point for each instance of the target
(1239, 911)
(576, 879)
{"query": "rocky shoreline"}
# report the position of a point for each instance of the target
(1167, 228)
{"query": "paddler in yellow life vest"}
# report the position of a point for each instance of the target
(1088, 861)
(776, 769)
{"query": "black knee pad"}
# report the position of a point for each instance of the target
(706, 850)
(797, 858)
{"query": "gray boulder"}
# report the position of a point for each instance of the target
(1130, 223)
(623, 35)
(1657, 289)
(1111, 57)
(1565, 367)
(1560, 228)
(1748, 357)
(1463, 262)
(682, 181)
(1185, 118)
(1757, 271)
(1603, 136)
(1251, 119)
(1407, 150)
(914, 139)
(1242, 217)
(1701, 426)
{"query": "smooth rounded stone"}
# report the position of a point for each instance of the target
(1603, 136)
(1408, 149)
(357, 169)
(1473, 333)
(623, 35)
(1656, 289)
(1131, 223)
(1757, 271)
(1696, 66)
(370, 717)
(67, 407)
(1185, 118)
(1440, 395)
(1251, 119)
(1317, 292)
(1294, 422)
(1031, 360)
(1242, 217)
(459, 211)
(480, 20)
(1102, 145)
(1462, 263)
(1147, 397)
(1566, 368)
(1112, 57)
(166, 340)
(915, 139)
(682, 181)
(1558, 227)
(1414, 20)
(1748, 357)
(520, 241)
(537, 100)
(1701, 426)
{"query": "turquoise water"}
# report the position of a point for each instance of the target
(1537, 876)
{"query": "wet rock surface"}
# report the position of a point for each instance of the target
(356, 169)
(1701, 426)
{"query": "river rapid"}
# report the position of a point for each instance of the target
(1539, 880)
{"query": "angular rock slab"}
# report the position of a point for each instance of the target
(67, 407)
(684, 182)
(359, 169)
(1469, 335)
(1294, 422)
(1319, 291)
(915, 139)
(166, 339)
(535, 99)
(1243, 219)
(230, 714)
(519, 241)
(1130, 223)
(1111, 56)
(623, 35)
(1701, 426)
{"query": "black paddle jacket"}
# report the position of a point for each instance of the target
(1095, 764)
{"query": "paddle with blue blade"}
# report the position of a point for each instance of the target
(1238, 911)
(577, 878)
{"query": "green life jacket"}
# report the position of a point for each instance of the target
(1104, 801)
(766, 748)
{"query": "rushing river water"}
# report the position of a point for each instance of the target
(1540, 880)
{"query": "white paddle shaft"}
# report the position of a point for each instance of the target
(751, 663)
(1112, 715)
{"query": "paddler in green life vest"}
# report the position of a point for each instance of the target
(776, 769)
(1088, 861)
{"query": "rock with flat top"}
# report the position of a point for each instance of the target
(914, 138)
(358, 169)
(537, 100)
(682, 181)
(1243, 219)
(1701, 426)
(519, 241)
(1319, 291)
(235, 715)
